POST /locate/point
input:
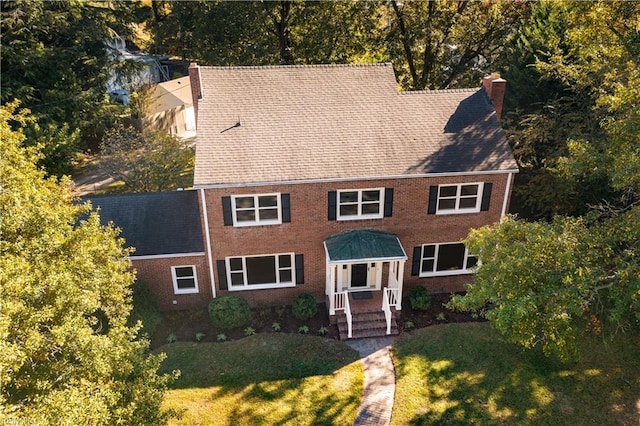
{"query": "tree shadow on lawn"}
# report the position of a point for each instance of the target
(470, 376)
(270, 378)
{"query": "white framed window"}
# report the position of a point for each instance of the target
(459, 198)
(360, 204)
(446, 259)
(185, 279)
(260, 272)
(259, 209)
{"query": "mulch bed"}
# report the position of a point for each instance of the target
(184, 325)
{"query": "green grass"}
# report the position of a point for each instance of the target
(463, 374)
(265, 379)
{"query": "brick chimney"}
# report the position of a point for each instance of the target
(196, 87)
(495, 86)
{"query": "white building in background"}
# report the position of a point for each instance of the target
(150, 70)
(171, 108)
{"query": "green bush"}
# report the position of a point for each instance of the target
(419, 298)
(304, 306)
(229, 312)
(145, 309)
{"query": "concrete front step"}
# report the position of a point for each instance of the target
(365, 325)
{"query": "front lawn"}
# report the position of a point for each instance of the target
(265, 379)
(463, 374)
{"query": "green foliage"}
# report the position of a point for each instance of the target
(249, 331)
(61, 270)
(275, 326)
(323, 330)
(420, 299)
(145, 309)
(543, 280)
(55, 61)
(145, 161)
(172, 338)
(199, 336)
(303, 329)
(304, 306)
(441, 317)
(229, 312)
(409, 325)
(221, 337)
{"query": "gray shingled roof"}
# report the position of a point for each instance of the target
(338, 122)
(154, 223)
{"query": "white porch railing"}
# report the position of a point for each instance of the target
(340, 301)
(390, 299)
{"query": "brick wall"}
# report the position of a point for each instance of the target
(157, 274)
(310, 226)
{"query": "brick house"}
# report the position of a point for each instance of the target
(327, 180)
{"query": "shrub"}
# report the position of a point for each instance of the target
(145, 309)
(229, 312)
(249, 331)
(304, 329)
(275, 326)
(323, 330)
(419, 298)
(172, 338)
(199, 336)
(304, 306)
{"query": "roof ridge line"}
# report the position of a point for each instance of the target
(458, 90)
(231, 67)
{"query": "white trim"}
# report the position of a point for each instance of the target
(247, 286)
(436, 273)
(359, 204)
(507, 189)
(175, 279)
(350, 179)
(207, 234)
(166, 256)
(458, 197)
(256, 209)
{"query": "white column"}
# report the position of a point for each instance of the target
(400, 280)
(331, 284)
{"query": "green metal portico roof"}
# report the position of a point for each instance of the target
(363, 244)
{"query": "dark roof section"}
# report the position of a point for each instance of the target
(363, 244)
(154, 223)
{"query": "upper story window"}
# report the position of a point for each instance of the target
(185, 280)
(443, 259)
(459, 198)
(360, 204)
(256, 209)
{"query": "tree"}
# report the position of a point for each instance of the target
(442, 44)
(548, 282)
(66, 353)
(55, 61)
(146, 161)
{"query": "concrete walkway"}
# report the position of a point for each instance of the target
(379, 380)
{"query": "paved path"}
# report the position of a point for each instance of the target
(379, 381)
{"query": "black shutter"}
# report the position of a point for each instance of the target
(388, 202)
(299, 269)
(417, 255)
(333, 201)
(433, 199)
(286, 208)
(486, 196)
(222, 275)
(226, 211)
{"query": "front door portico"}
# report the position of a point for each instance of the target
(357, 261)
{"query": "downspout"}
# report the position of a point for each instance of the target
(507, 191)
(208, 240)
